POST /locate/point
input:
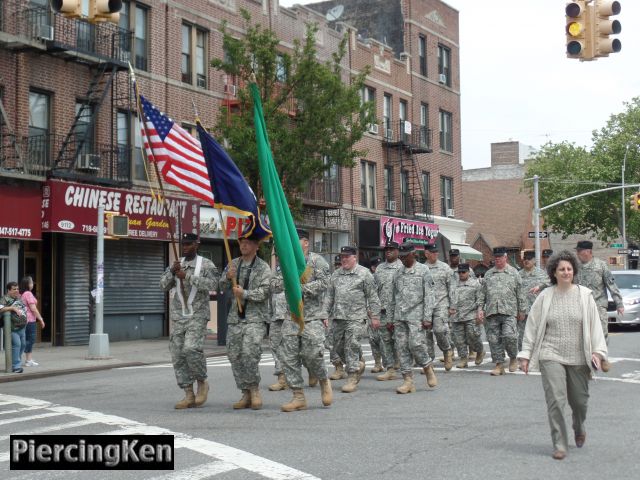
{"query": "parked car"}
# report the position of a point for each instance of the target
(628, 282)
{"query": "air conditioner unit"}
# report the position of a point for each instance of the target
(391, 205)
(44, 32)
(407, 127)
(230, 89)
(373, 128)
(88, 161)
(118, 225)
(388, 134)
(443, 78)
(451, 212)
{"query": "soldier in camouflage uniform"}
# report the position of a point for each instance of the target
(191, 278)
(279, 311)
(351, 300)
(502, 303)
(375, 341)
(531, 276)
(442, 280)
(334, 358)
(247, 328)
(307, 348)
(410, 311)
(384, 281)
(465, 323)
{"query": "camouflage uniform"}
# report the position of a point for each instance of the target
(464, 330)
(441, 274)
(384, 281)
(244, 335)
(595, 275)
(411, 303)
(189, 317)
(350, 300)
(502, 298)
(531, 279)
(308, 348)
(279, 311)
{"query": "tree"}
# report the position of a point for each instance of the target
(313, 109)
(566, 170)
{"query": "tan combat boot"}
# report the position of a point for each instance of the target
(472, 354)
(313, 380)
(448, 359)
(498, 370)
(203, 392)
(479, 357)
(513, 365)
(326, 392)
(408, 386)
(432, 381)
(188, 401)
(463, 363)
(244, 402)
(377, 368)
(351, 385)
(360, 371)
(339, 374)
(390, 374)
(298, 402)
(281, 384)
(256, 398)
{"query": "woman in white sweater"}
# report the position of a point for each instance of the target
(564, 340)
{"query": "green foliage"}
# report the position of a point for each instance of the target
(566, 170)
(313, 110)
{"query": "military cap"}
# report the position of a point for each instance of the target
(463, 267)
(348, 250)
(584, 245)
(431, 248)
(406, 249)
(375, 261)
(529, 255)
(499, 251)
(454, 252)
(337, 259)
(189, 238)
(391, 244)
(302, 233)
(547, 252)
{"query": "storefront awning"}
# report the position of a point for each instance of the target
(466, 252)
(20, 216)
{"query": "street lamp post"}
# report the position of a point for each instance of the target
(624, 213)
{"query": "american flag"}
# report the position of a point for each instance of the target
(178, 154)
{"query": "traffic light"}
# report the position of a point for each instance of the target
(635, 201)
(579, 30)
(104, 10)
(68, 8)
(603, 45)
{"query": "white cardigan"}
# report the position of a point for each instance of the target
(593, 336)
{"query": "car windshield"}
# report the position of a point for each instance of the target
(628, 281)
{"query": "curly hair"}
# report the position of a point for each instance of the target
(567, 256)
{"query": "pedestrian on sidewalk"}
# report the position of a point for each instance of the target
(563, 338)
(191, 278)
(11, 302)
(33, 316)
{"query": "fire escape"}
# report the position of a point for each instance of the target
(83, 152)
(403, 143)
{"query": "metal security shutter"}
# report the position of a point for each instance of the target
(77, 288)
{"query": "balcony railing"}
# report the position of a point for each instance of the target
(407, 134)
(322, 191)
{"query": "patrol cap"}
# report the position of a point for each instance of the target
(391, 244)
(337, 259)
(454, 252)
(463, 267)
(348, 250)
(529, 255)
(189, 238)
(406, 249)
(375, 261)
(302, 233)
(431, 248)
(584, 245)
(547, 252)
(499, 251)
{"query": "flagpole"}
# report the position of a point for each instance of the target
(143, 121)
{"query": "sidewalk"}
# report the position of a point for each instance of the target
(66, 360)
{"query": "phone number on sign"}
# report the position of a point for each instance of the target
(15, 231)
(92, 228)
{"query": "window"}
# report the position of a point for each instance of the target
(422, 54)
(368, 184)
(446, 131)
(368, 94)
(186, 53)
(85, 128)
(281, 69)
(405, 201)
(193, 37)
(446, 196)
(201, 58)
(388, 187)
(138, 160)
(403, 118)
(330, 181)
(426, 193)
(123, 137)
(39, 128)
(134, 18)
(386, 114)
(424, 124)
(444, 65)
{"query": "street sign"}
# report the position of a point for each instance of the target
(544, 234)
(616, 245)
(624, 251)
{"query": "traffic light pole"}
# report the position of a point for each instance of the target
(99, 341)
(624, 213)
(536, 217)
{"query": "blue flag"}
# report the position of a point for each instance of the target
(230, 189)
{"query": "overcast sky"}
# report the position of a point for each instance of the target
(517, 84)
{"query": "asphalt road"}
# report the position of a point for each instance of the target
(471, 426)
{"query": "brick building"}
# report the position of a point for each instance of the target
(70, 140)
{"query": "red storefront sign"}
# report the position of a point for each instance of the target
(73, 208)
(20, 212)
(401, 230)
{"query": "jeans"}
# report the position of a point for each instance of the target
(31, 336)
(18, 342)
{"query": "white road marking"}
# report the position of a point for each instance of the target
(32, 417)
(50, 428)
(201, 471)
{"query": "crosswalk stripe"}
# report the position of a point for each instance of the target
(200, 471)
(32, 417)
(18, 410)
(50, 428)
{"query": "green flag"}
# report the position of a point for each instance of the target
(285, 237)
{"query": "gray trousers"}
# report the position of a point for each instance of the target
(562, 384)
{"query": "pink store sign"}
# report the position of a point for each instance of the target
(402, 230)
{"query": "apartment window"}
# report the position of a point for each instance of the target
(404, 192)
(446, 196)
(85, 128)
(123, 137)
(388, 187)
(386, 115)
(186, 53)
(422, 54)
(444, 65)
(134, 18)
(39, 128)
(139, 172)
(403, 118)
(368, 184)
(194, 39)
(281, 69)
(201, 58)
(368, 94)
(446, 131)
(424, 124)
(426, 193)
(330, 180)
